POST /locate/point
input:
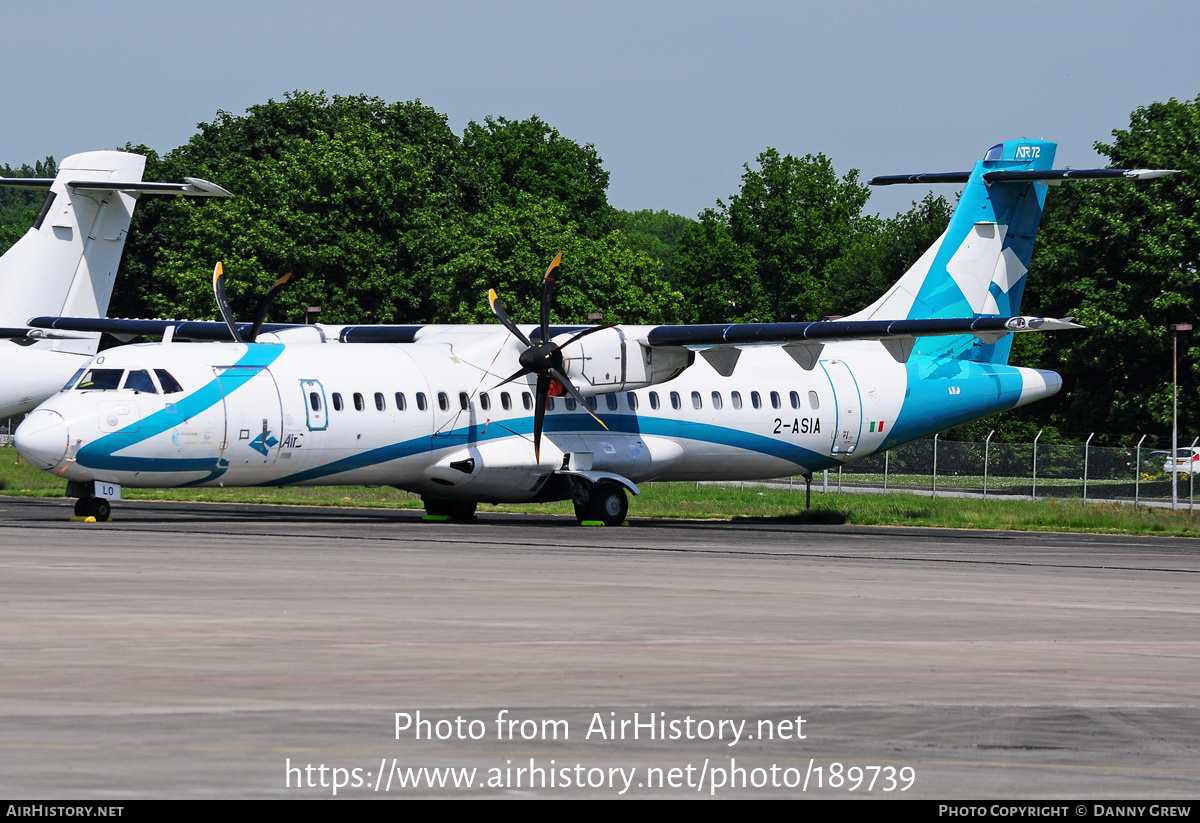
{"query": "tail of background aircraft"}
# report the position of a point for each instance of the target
(977, 267)
(66, 263)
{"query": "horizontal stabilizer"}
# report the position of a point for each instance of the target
(192, 186)
(1024, 176)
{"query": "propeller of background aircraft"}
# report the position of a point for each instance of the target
(544, 358)
(259, 315)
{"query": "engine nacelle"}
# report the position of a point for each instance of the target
(609, 361)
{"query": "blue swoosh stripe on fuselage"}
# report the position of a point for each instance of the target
(101, 454)
(566, 424)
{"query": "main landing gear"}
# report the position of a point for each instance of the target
(96, 507)
(605, 502)
(460, 511)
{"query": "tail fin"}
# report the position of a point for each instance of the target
(66, 263)
(977, 267)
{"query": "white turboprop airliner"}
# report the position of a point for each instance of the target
(65, 264)
(494, 413)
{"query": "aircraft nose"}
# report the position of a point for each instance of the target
(42, 438)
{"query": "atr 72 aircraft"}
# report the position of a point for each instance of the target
(495, 413)
(65, 264)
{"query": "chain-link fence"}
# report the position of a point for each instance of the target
(1031, 470)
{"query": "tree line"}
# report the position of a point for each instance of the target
(388, 216)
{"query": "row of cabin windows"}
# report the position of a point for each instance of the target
(422, 402)
(610, 401)
(718, 401)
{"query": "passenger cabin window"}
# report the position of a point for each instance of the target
(421, 403)
(775, 402)
(485, 402)
(550, 403)
(101, 380)
(591, 402)
(716, 398)
(813, 401)
(755, 400)
(795, 398)
(569, 402)
(337, 401)
(380, 403)
(631, 400)
(169, 384)
(610, 400)
(675, 401)
(443, 401)
(505, 401)
(736, 399)
(139, 380)
(696, 400)
(654, 400)
(464, 400)
(401, 403)
(359, 403)
(314, 400)
(527, 400)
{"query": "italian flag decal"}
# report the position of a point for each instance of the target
(874, 425)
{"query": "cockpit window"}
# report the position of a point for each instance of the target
(169, 384)
(74, 377)
(101, 380)
(139, 380)
(994, 153)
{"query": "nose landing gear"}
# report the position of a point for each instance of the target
(96, 507)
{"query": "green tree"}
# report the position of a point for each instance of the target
(1122, 259)
(793, 219)
(656, 233)
(19, 207)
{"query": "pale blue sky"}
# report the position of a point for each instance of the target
(675, 96)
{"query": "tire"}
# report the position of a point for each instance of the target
(461, 511)
(610, 503)
(606, 502)
(81, 506)
(101, 509)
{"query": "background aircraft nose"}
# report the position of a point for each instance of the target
(42, 438)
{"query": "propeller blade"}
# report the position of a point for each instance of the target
(539, 415)
(268, 298)
(558, 375)
(548, 295)
(498, 310)
(515, 376)
(223, 301)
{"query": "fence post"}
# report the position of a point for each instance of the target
(885, 469)
(1087, 443)
(1137, 473)
(1033, 490)
(935, 437)
(987, 445)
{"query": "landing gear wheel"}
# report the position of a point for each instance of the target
(461, 511)
(606, 502)
(96, 507)
(457, 510)
(101, 509)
